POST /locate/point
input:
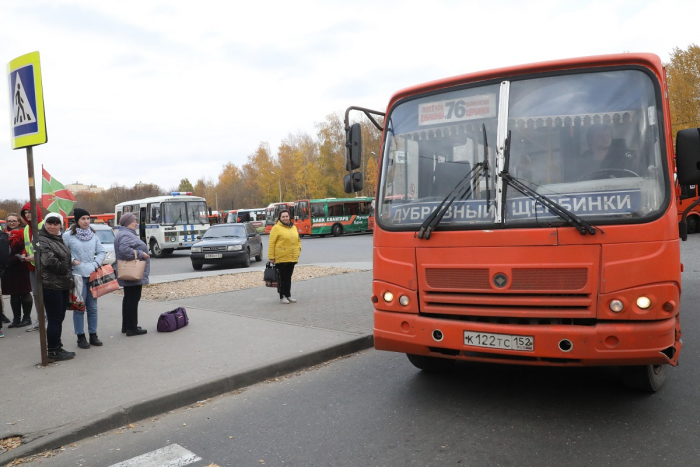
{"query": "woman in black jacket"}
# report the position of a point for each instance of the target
(57, 282)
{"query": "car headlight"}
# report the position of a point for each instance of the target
(234, 247)
(196, 249)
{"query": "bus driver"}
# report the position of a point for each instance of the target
(606, 157)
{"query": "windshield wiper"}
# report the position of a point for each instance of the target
(177, 220)
(555, 208)
(439, 212)
(232, 236)
(436, 216)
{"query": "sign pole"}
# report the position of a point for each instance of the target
(39, 297)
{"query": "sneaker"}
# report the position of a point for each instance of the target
(33, 327)
(1, 333)
(291, 300)
(284, 301)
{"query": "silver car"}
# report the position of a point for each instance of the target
(106, 236)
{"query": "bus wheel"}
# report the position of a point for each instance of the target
(431, 364)
(692, 224)
(337, 230)
(156, 250)
(647, 378)
(168, 251)
(246, 261)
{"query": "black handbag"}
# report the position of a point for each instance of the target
(270, 275)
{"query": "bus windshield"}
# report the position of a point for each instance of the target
(197, 212)
(588, 141)
(184, 212)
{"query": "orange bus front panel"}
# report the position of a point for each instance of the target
(605, 343)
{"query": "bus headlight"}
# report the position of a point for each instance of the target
(196, 249)
(388, 296)
(234, 247)
(403, 300)
(616, 306)
(643, 302)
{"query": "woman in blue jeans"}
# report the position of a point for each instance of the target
(87, 254)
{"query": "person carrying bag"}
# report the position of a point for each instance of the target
(87, 254)
(283, 251)
(129, 248)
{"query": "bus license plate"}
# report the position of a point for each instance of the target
(499, 341)
(213, 255)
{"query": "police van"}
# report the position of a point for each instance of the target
(167, 223)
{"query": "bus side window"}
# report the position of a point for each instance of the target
(365, 207)
(119, 216)
(335, 209)
(352, 209)
(154, 213)
(317, 210)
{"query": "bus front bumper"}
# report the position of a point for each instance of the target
(605, 343)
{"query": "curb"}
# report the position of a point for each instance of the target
(34, 443)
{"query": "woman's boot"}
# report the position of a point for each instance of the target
(94, 340)
(58, 354)
(82, 342)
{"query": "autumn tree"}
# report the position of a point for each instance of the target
(185, 185)
(683, 76)
(331, 144)
(229, 187)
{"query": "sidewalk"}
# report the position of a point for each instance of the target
(234, 339)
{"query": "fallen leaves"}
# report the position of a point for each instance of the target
(229, 282)
(8, 444)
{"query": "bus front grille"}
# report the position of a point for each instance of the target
(454, 303)
(522, 279)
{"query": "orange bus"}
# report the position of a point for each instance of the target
(527, 215)
(272, 212)
(107, 219)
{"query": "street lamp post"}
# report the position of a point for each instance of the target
(279, 181)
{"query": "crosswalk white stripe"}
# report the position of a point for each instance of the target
(169, 456)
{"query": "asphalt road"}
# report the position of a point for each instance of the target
(346, 248)
(375, 409)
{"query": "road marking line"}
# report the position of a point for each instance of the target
(169, 456)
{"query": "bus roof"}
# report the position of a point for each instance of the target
(251, 209)
(344, 200)
(160, 199)
(642, 59)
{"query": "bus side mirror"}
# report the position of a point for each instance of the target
(688, 156)
(353, 145)
(353, 182)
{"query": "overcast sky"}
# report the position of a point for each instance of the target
(157, 91)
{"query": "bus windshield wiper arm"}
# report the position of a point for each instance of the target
(177, 220)
(436, 216)
(581, 225)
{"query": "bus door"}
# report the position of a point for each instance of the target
(302, 218)
(143, 217)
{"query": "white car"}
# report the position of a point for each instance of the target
(106, 236)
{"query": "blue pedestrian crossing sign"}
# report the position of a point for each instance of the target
(27, 123)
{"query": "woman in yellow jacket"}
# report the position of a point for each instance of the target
(283, 251)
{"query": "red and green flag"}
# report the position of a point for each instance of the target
(54, 196)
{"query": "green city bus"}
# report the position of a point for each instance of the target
(332, 216)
